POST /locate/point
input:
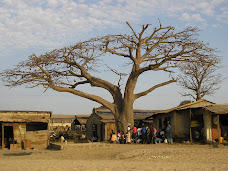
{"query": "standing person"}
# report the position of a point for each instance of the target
(122, 138)
(62, 139)
(128, 139)
(134, 134)
(143, 134)
(139, 132)
(128, 135)
(153, 132)
(168, 133)
(111, 136)
(119, 137)
(148, 140)
(154, 135)
(151, 127)
(128, 128)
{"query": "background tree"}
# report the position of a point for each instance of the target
(200, 78)
(149, 49)
(184, 102)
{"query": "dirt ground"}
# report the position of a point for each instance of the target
(127, 157)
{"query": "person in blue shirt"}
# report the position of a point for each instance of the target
(144, 134)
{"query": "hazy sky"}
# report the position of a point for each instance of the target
(38, 26)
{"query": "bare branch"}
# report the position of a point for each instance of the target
(79, 83)
(84, 95)
(153, 88)
(200, 77)
(132, 30)
(117, 73)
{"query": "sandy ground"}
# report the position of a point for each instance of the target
(127, 157)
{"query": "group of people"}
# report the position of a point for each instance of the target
(143, 134)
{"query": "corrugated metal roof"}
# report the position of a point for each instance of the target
(107, 120)
(82, 121)
(63, 116)
(106, 116)
(140, 116)
(110, 117)
(82, 116)
(24, 111)
(24, 116)
(196, 104)
(145, 111)
(218, 108)
(135, 111)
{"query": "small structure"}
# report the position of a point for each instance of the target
(80, 123)
(62, 122)
(196, 122)
(181, 118)
(216, 122)
(24, 129)
(101, 123)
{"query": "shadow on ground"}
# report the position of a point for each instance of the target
(18, 154)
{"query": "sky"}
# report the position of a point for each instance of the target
(39, 26)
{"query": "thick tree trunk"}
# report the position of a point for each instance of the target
(126, 118)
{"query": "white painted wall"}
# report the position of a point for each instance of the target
(207, 127)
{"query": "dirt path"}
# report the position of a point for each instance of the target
(119, 157)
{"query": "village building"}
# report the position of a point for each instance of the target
(194, 121)
(68, 122)
(80, 123)
(62, 122)
(101, 123)
(216, 122)
(24, 129)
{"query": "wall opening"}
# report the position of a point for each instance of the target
(160, 124)
(224, 125)
(0, 134)
(95, 132)
(8, 136)
(36, 126)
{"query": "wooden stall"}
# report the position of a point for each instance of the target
(24, 129)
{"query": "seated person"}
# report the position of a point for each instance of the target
(113, 138)
(159, 137)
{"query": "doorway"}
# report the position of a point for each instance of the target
(1, 135)
(8, 136)
(95, 132)
(197, 124)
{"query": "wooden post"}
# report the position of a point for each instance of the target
(2, 136)
(190, 120)
(218, 128)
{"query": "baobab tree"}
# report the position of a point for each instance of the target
(146, 48)
(200, 78)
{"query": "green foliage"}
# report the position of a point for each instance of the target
(185, 102)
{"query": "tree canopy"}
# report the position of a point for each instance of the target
(147, 49)
(200, 78)
(184, 102)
